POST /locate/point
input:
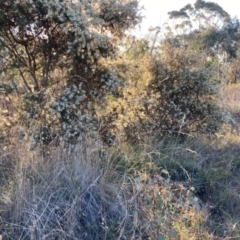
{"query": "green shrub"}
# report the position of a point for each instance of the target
(183, 95)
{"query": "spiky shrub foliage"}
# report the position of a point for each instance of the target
(126, 112)
(182, 95)
(167, 210)
(168, 92)
(53, 50)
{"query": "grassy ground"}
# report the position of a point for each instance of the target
(162, 189)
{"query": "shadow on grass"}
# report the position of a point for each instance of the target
(213, 168)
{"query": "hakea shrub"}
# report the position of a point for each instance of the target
(69, 116)
(169, 92)
(183, 95)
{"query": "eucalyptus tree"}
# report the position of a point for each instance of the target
(53, 53)
(208, 29)
(206, 26)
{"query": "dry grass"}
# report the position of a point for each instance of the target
(231, 97)
(125, 194)
(212, 166)
(64, 196)
(79, 195)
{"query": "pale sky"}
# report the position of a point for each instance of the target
(156, 10)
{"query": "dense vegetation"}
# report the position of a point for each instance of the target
(107, 136)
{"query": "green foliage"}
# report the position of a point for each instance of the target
(212, 8)
(168, 93)
(63, 83)
(201, 9)
(163, 206)
(55, 50)
(182, 94)
(207, 28)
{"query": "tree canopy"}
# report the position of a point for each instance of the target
(52, 54)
